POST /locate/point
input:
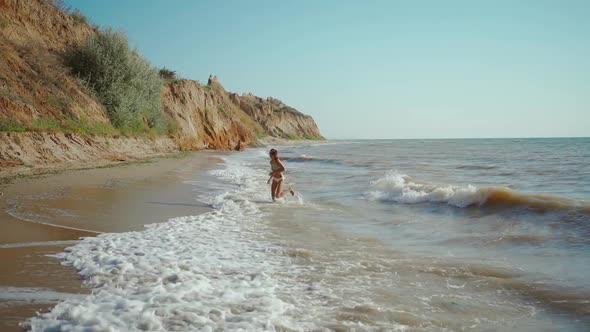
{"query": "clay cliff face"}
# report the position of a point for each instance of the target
(209, 117)
(277, 119)
(33, 81)
(205, 118)
(33, 153)
(35, 84)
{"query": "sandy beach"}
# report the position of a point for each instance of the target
(42, 215)
(162, 166)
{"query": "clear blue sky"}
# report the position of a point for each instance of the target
(381, 69)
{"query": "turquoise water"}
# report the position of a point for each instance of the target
(499, 216)
(391, 235)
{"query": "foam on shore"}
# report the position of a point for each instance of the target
(207, 272)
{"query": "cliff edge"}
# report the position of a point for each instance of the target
(51, 117)
(207, 116)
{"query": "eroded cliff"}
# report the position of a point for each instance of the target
(210, 117)
(34, 83)
(45, 109)
(276, 118)
(205, 118)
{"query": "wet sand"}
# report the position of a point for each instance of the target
(42, 215)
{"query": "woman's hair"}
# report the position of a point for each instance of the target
(273, 152)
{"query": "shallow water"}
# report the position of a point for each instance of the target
(420, 235)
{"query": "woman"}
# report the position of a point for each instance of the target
(277, 177)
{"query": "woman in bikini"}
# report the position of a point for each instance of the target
(277, 177)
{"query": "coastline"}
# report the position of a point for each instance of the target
(10, 171)
(42, 215)
(45, 209)
(31, 154)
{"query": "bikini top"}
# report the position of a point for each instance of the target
(274, 166)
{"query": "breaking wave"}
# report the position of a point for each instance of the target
(400, 188)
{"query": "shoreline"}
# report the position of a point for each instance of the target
(45, 209)
(11, 171)
(41, 215)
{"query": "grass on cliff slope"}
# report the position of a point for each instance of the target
(11, 126)
(81, 126)
(78, 17)
(303, 137)
(125, 83)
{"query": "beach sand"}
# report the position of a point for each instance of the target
(42, 215)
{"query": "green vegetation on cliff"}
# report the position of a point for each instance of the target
(11, 126)
(126, 85)
(59, 73)
(51, 125)
(308, 137)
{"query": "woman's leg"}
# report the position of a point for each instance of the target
(278, 189)
(280, 193)
(273, 189)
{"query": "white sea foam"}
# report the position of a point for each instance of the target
(403, 189)
(37, 244)
(33, 295)
(214, 271)
(400, 188)
(191, 273)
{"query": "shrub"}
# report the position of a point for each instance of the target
(78, 17)
(167, 74)
(127, 86)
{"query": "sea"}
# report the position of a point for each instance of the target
(382, 235)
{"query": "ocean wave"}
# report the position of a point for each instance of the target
(476, 167)
(304, 158)
(400, 188)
